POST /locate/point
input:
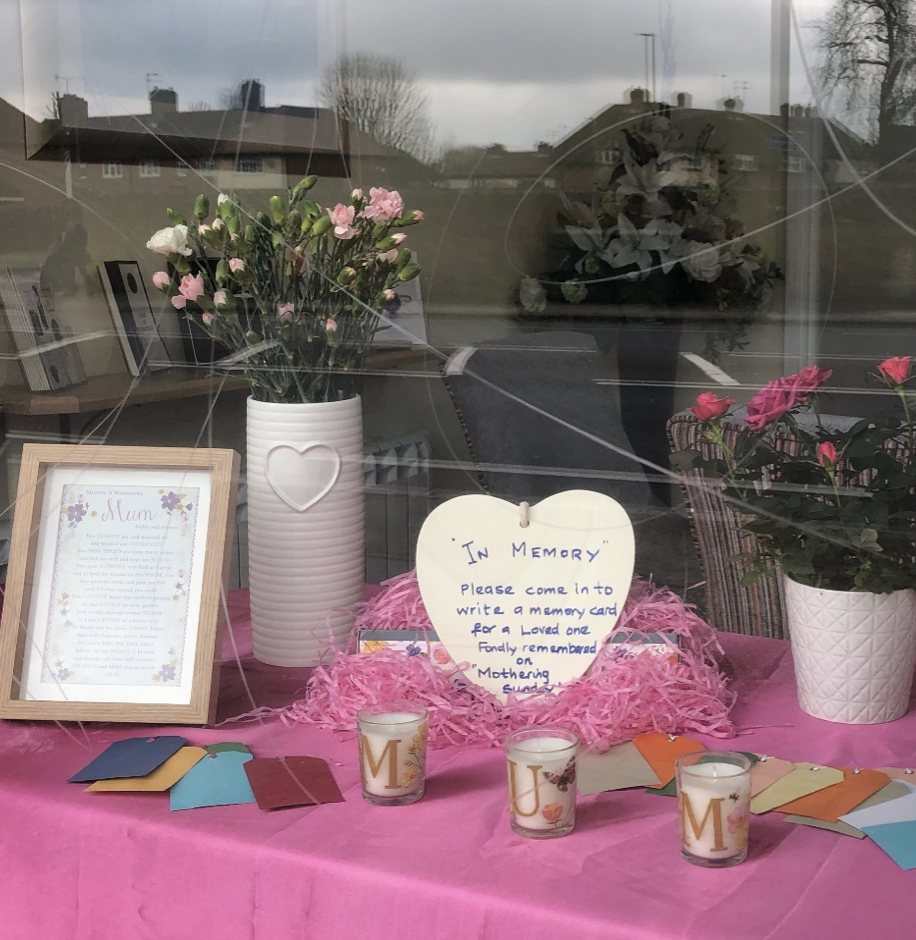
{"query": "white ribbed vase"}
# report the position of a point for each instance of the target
(306, 526)
(854, 652)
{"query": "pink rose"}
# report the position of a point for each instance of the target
(896, 370)
(207, 317)
(769, 404)
(236, 264)
(191, 286)
(219, 298)
(809, 379)
(161, 280)
(709, 406)
(342, 217)
(285, 312)
(384, 205)
(331, 325)
(826, 454)
(782, 395)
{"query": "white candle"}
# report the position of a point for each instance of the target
(542, 782)
(713, 804)
(392, 751)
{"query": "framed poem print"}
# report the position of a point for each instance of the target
(116, 582)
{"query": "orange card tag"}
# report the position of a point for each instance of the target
(830, 803)
(661, 751)
(767, 771)
(805, 778)
(907, 774)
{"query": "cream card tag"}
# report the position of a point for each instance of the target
(618, 768)
(525, 597)
(805, 778)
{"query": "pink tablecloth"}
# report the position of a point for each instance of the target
(80, 866)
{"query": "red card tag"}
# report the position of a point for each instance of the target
(291, 781)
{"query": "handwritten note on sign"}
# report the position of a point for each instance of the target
(527, 608)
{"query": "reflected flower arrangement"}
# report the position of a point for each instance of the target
(294, 292)
(662, 231)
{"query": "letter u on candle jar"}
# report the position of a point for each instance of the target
(542, 781)
(392, 752)
(713, 803)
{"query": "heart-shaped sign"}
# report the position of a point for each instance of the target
(525, 597)
(301, 474)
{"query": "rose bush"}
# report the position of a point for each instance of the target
(833, 507)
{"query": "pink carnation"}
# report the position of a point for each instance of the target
(207, 317)
(709, 406)
(191, 286)
(236, 264)
(161, 280)
(384, 205)
(342, 217)
(331, 325)
(219, 298)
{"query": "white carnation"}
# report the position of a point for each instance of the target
(170, 241)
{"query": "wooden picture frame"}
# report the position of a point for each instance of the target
(118, 568)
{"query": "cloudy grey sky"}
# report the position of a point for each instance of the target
(513, 71)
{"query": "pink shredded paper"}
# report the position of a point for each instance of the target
(616, 699)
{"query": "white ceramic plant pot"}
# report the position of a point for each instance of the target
(306, 527)
(854, 652)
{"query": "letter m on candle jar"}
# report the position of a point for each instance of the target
(708, 831)
(374, 768)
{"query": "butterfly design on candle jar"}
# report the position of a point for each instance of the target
(562, 780)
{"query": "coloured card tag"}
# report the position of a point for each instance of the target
(527, 601)
(218, 780)
(804, 779)
(227, 746)
(898, 840)
(891, 811)
(767, 771)
(891, 791)
(162, 778)
(292, 781)
(130, 757)
(830, 803)
(662, 750)
(899, 773)
(618, 768)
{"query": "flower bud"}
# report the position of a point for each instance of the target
(294, 223)
(263, 220)
(222, 271)
(306, 226)
(403, 257)
(311, 209)
(278, 209)
(346, 276)
(234, 225)
(409, 272)
(176, 218)
(308, 183)
(201, 207)
(322, 225)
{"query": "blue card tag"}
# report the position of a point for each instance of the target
(132, 757)
(898, 839)
(217, 780)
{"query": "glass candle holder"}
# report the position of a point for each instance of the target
(392, 752)
(713, 804)
(542, 781)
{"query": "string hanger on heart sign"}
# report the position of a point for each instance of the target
(525, 596)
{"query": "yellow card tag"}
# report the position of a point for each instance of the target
(162, 778)
(805, 778)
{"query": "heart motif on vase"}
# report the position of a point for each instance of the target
(525, 599)
(302, 474)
